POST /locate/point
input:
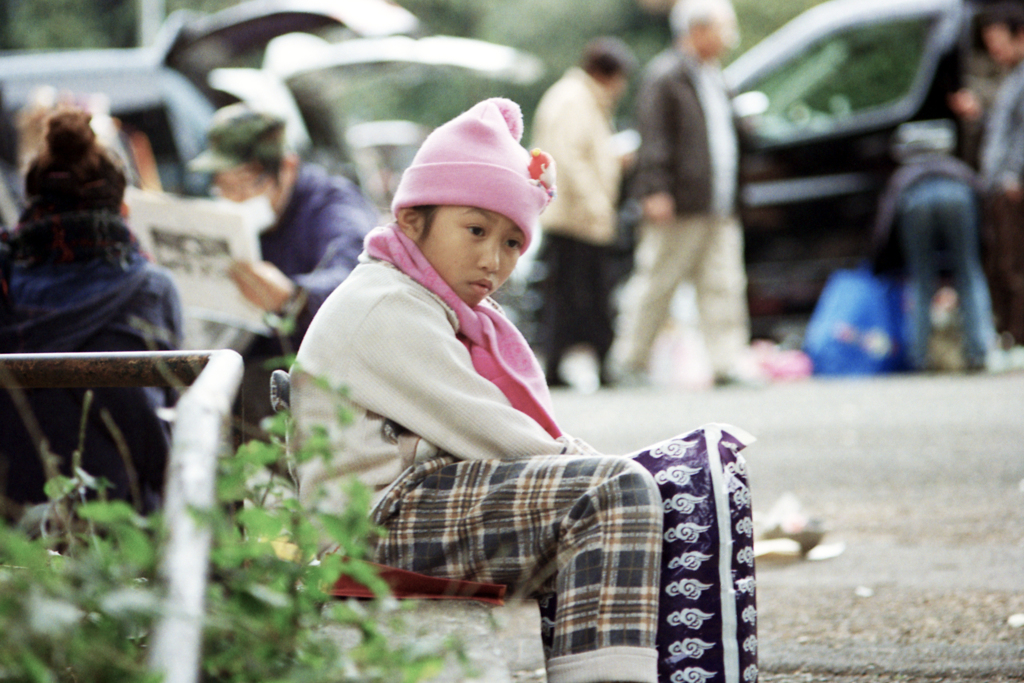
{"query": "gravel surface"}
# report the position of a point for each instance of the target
(919, 480)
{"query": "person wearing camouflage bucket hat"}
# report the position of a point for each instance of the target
(238, 135)
(311, 231)
(249, 161)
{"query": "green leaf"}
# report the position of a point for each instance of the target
(136, 546)
(262, 524)
(423, 669)
(231, 486)
(316, 445)
(110, 512)
(16, 550)
(37, 671)
(269, 596)
(344, 414)
(260, 452)
(59, 487)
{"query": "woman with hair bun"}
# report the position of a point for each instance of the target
(73, 278)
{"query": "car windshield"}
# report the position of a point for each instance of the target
(858, 69)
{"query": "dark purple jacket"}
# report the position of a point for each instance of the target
(320, 235)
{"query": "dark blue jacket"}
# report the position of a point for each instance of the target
(92, 307)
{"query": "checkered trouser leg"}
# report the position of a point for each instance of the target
(587, 528)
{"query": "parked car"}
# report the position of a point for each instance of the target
(367, 103)
(324, 66)
(819, 101)
(162, 90)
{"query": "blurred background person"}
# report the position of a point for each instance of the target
(573, 122)
(74, 280)
(686, 180)
(10, 182)
(1002, 170)
(932, 206)
(311, 233)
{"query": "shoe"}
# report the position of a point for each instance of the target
(631, 379)
(735, 379)
(808, 536)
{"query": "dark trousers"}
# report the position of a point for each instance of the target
(1004, 264)
(932, 212)
(576, 308)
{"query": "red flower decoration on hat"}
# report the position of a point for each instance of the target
(542, 170)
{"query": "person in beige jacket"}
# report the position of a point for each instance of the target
(573, 122)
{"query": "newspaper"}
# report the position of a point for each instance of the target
(197, 240)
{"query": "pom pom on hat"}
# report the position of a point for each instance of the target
(513, 115)
(476, 160)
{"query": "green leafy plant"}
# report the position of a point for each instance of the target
(79, 596)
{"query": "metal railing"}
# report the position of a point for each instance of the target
(200, 433)
(114, 369)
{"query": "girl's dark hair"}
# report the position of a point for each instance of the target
(428, 211)
(608, 56)
(73, 165)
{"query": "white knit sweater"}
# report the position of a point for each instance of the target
(390, 345)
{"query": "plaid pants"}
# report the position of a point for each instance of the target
(587, 528)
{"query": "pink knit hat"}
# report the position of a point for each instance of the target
(476, 160)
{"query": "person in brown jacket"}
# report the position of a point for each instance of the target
(686, 180)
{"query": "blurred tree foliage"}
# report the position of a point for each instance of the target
(57, 24)
(555, 30)
(66, 23)
(558, 31)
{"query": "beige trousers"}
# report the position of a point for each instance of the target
(706, 251)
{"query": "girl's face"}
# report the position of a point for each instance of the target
(473, 250)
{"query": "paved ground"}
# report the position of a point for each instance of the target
(919, 479)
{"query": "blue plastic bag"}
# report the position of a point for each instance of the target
(859, 325)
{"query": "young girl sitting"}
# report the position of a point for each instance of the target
(643, 564)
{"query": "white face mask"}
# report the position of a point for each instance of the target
(259, 213)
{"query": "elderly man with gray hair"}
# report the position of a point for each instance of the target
(687, 181)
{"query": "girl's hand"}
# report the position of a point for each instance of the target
(574, 446)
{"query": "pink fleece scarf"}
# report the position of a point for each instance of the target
(497, 348)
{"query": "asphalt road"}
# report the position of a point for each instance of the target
(919, 481)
